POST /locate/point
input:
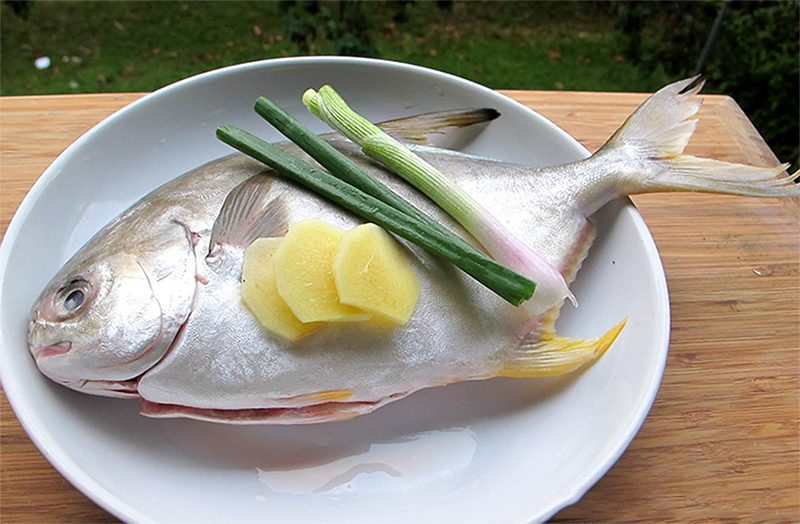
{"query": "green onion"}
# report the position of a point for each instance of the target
(487, 229)
(512, 287)
(342, 167)
(337, 163)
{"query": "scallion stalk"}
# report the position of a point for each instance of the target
(511, 286)
(344, 168)
(485, 227)
(336, 162)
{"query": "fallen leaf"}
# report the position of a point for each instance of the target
(554, 54)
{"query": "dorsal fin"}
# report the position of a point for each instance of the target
(249, 212)
(418, 128)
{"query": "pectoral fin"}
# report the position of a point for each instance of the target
(549, 355)
(250, 211)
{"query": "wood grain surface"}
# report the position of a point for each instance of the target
(722, 439)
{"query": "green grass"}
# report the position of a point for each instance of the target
(522, 45)
(119, 46)
(141, 46)
(130, 46)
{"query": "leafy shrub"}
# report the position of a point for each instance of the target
(344, 23)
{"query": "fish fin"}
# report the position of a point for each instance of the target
(688, 173)
(656, 134)
(331, 395)
(548, 355)
(323, 412)
(249, 212)
(580, 251)
(664, 121)
(419, 128)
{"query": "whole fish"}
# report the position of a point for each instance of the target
(150, 307)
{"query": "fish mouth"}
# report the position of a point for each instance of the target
(51, 350)
(109, 388)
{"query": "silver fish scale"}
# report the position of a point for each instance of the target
(217, 366)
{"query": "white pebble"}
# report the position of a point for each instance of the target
(43, 62)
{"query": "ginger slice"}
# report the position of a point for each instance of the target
(260, 293)
(373, 274)
(303, 268)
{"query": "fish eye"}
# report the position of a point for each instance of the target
(72, 296)
(74, 300)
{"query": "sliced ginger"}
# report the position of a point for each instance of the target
(371, 273)
(303, 269)
(260, 293)
(318, 273)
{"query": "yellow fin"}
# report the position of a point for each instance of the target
(551, 355)
(331, 395)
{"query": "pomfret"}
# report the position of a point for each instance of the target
(150, 307)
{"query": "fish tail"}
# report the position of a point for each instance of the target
(654, 137)
(551, 355)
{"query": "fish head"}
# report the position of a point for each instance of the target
(98, 323)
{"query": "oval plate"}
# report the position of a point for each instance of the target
(502, 450)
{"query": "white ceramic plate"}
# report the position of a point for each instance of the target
(502, 450)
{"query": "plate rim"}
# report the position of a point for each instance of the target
(110, 502)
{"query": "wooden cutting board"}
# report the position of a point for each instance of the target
(722, 439)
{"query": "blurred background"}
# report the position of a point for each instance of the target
(748, 50)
